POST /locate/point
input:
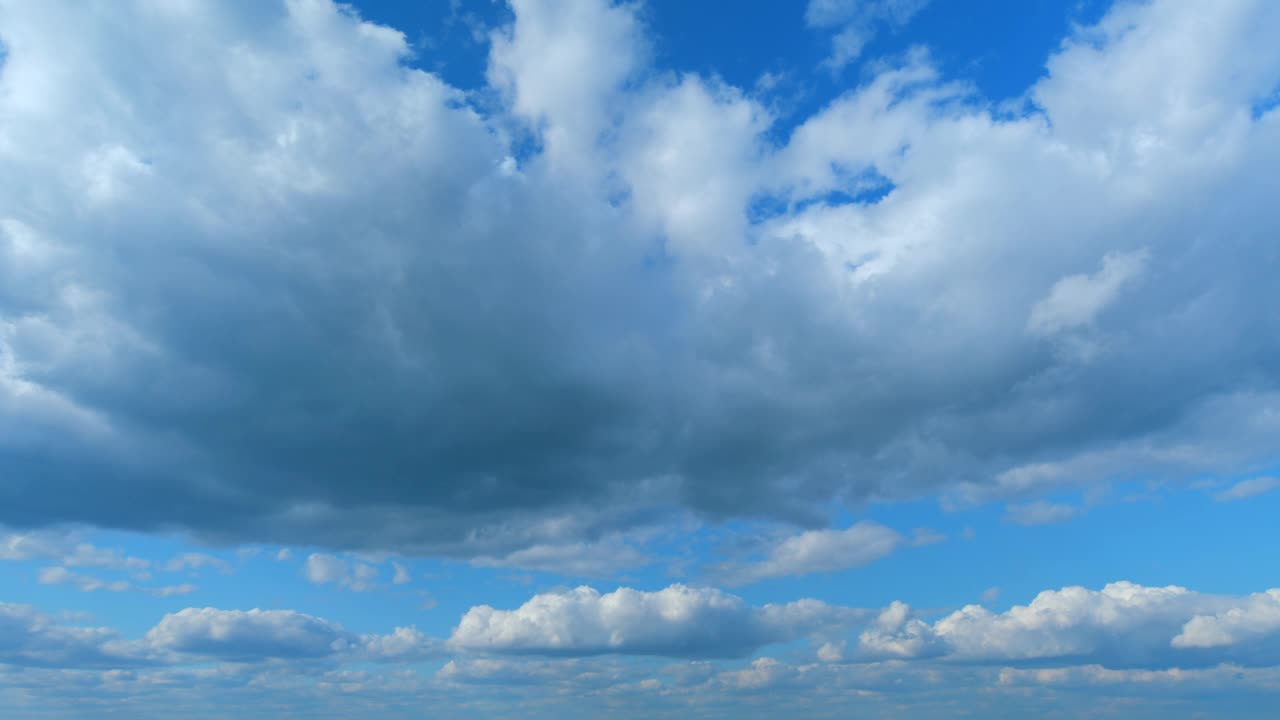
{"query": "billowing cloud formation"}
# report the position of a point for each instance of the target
(247, 635)
(259, 635)
(677, 621)
(256, 270)
(1121, 626)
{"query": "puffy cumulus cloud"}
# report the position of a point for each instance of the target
(240, 635)
(1256, 620)
(258, 271)
(816, 551)
(1121, 626)
(260, 635)
(678, 621)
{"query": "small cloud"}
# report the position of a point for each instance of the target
(172, 590)
(1076, 300)
(284, 554)
(84, 583)
(924, 536)
(1040, 513)
(87, 583)
(197, 561)
(604, 558)
(819, 551)
(856, 23)
(1248, 488)
(323, 569)
(991, 595)
(402, 576)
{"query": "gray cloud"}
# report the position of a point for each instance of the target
(256, 271)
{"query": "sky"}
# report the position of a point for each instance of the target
(580, 359)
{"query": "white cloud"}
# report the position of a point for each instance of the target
(85, 583)
(322, 568)
(818, 551)
(677, 621)
(237, 635)
(1248, 488)
(196, 561)
(66, 548)
(605, 558)
(1124, 625)
(29, 638)
(88, 583)
(857, 22)
(1257, 618)
(1076, 300)
(563, 79)
(402, 576)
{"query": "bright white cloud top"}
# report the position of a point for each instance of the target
(270, 275)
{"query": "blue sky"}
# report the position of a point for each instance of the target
(567, 358)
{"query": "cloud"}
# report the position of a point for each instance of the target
(819, 551)
(678, 621)
(364, 309)
(1040, 512)
(239, 636)
(62, 576)
(1076, 300)
(402, 576)
(605, 558)
(196, 561)
(857, 22)
(321, 568)
(1123, 625)
(67, 549)
(29, 638)
(1248, 488)
(88, 583)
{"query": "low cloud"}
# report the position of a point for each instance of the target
(1123, 625)
(678, 621)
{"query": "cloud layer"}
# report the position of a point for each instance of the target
(285, 274)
